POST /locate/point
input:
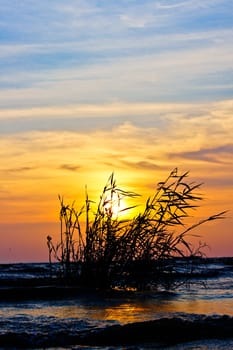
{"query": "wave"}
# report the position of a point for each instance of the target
(31, 285)
(52, 332)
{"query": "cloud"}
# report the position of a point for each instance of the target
(220, 154)
(20, 169)
(144, 77)
(157, 128)
(155, 42)
(168, 5)
(134, 22)
(67, 58)
(223, 183)
(141, 151)
(144, 165)
(106, 110)
(142, 133)
(66, 55)
(188, 5)
(70, 167)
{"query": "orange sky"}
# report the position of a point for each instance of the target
(92, 87)
(36, 166)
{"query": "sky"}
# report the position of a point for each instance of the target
(91, 87)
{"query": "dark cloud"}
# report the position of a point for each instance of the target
(206, 154)
(20, 169)
(218, 182)
(70, 167)
(141, 165)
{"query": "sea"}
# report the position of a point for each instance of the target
(59, 321)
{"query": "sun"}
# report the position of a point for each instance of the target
(114, 202)
(115, 205)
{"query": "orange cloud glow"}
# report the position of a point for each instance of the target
(36, 166)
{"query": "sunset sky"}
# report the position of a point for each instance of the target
(90, 87)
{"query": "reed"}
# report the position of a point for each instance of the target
(137, 252)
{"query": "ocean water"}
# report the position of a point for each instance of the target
(60, 322)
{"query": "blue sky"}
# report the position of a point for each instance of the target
(60, 53)
(88, 87)
(105, 51)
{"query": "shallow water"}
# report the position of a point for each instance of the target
(47, 319)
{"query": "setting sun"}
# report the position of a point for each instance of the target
(115, 205)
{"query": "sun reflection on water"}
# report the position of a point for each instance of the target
(122, 312)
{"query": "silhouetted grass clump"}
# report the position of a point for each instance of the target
(109, 251)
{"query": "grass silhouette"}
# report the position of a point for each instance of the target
(111, 251)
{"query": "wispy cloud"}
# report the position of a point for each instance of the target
(149, 52)
(70, 167)
(20, 169)
(191, 131)
(143, 165)
(220, 154)
(110, 110)
(149, 77)
(188, 4)
(128, 45)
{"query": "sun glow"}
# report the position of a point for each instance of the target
(115, 206)
(113, 203)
